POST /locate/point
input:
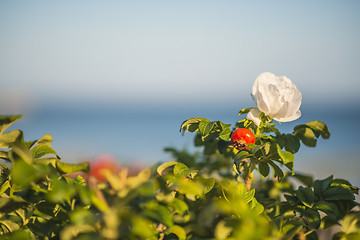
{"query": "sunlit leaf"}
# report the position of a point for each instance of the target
(286, 157)
(321, 127)
(164, 166)
(9, 138)
(71, 168)
(306, 135)
(7, 121)
(41, 150)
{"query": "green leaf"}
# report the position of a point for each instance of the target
(267, 147)
(241, 155)
(203, 127)
(9, 138)
(313, 217)
(61, 191)
(10, 225)
(206, 183)
(245, 110)
(181, 169)
(42, 150)
(222, 230)
(291, 199)
(23, 173)
(222, 146)
(45, 140)
(179, 206)
(292, 143)
(329, 208)
(338, 193)
(18, 235)
(292, 227)
(264, 168)
(163, 166)
(286, 157)
(70, 168)
(142, 227)
(157, 212)
(306, 196)
(306, 135)
(225, 134)
(178, 231)
(4, 187)
(191, 124)
(305, 179)
(256, 207)
(321, 185)
(7, 121)
(351, 223)
(321, 127)
(277, 171)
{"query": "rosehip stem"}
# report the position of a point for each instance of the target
(247, 176)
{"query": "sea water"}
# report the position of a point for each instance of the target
(140, 133)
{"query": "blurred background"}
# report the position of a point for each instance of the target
(119, 77)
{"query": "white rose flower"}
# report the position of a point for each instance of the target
(277, 97)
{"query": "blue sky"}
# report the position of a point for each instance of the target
(152, 52)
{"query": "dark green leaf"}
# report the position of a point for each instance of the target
(338, 193)
(191, 124)
(292, 143)
(264, 169)
(291, 199)
(327, 207)
(306, 196)
(277, 171)
(291, 227)
(312, 216)
(305, 179)
(321, 185)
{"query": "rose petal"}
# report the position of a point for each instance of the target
(290, 118)
(277, 97)
(254, 115)
(262, 104)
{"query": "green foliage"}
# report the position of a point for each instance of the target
(211, 194)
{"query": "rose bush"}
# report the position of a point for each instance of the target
(276, 97)
(209, 194)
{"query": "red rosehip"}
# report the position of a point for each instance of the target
(241, 137)
(102, 164)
